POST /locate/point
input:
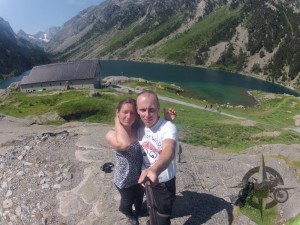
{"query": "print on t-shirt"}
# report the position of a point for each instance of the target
(151, 153)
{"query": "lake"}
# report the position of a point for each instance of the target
(7, 82)
(214, 86)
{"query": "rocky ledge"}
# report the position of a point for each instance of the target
(52, 175)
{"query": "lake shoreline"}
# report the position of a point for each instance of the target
(212, 86)
(259, 77)
(157, 61)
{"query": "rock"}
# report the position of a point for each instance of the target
(66, 183)
(297, 120)
(67, 175)
(20, 173)
(8, 194)
(244, 220)
(59, 179)
(4, 185)
(41, 205)
(27, 163)
(56, 186)
(119, 79)
(45, 186)
(27, 148)
(41, 174)
(14, 86)
(18, 211)
(41, 119)
(61, 165)
(7, 203)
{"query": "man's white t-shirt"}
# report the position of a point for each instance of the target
(151, 140)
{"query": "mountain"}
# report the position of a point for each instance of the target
(41, 38)
(17, 54)
(6, 32)
(245, 36)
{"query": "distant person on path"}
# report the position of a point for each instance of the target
(158, 139)
(123, 139)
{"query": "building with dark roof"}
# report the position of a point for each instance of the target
(59, 76)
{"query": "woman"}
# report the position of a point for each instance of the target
(123, 138)
(129, 159)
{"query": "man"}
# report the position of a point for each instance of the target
(159, 139)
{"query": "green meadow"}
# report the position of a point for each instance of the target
(207, 128)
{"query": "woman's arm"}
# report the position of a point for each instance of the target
(118, 139)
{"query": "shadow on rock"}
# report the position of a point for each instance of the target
(201, 207)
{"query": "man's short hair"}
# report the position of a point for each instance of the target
(149, 92)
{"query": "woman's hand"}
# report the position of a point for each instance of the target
(121, 139)
(117, 120)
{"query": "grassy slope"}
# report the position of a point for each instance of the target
(140, 27)
(158, 33)
(197, 127)
(183, 46)
(276, 113)
(178, 48)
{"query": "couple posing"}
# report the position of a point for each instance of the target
(145, 150)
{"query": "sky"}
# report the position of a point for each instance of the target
(33, 16)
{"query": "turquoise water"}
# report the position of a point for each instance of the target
(214, 86)
(7, 82)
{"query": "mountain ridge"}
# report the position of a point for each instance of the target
(242, 36)
(41, 38)
(16, 53)
(217, 34)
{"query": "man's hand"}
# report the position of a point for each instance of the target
(148, 174)
(170, 115)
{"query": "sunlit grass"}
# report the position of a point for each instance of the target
(269, 216)
(294, 221)
(196, 126)
(277, 112)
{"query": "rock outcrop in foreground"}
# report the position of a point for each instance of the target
(52, 175)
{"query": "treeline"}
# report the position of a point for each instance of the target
(268, 29)
(15, 59)
(223, 32)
